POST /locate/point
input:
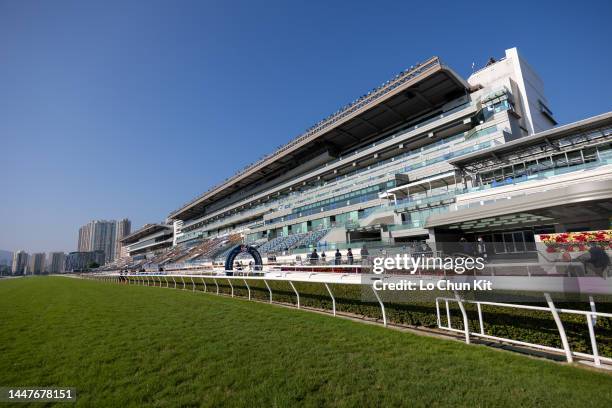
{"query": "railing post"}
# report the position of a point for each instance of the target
(382, 306)
(332, 298)
(193, 284)
(596, 358)
(269, 290)
(217, 285)
(438, 313)
(480, 321)
(204, 283)
(466, 325)
(553, 310)
(231, 286)
(593, 309)
(173, 280)
(166, 279)
(183, 280)
(296, 294)
(248, 288)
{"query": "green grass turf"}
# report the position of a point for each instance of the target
(135, 346)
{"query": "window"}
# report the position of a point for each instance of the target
(532, 167)
(546, 112)
(546, 163)
(560, 160)
(574, 158)
(589, 154)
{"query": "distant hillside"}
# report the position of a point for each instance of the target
(6, 257)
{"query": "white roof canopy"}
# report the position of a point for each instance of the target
(439, 180)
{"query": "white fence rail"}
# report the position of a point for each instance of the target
(183, 281)
(591, 317)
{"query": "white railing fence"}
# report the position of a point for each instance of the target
(183, 281)
(591, 318)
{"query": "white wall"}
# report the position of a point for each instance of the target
(528, 88)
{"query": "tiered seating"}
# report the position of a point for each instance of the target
(189, 252)
(159, 257)
(172, 254)
(210, 248)
(280, 243)
(292, 241)
(196, 251)
(136, 265)
(221, 257)
(121, 263)
(314, 237)
(223, 254)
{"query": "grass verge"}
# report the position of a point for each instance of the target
(133, 346)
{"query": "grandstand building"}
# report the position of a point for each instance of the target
(559, 180)
(149, 239)
(428, 156)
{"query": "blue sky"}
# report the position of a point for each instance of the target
(131, 108)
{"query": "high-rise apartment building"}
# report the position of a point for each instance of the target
(122, 229)
(103, 238)
(102, 235)
(20, 262)
(84, 243)
(56, 262)
(36, 264)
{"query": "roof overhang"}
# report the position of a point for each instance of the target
(440, 180)
(573, 194)
(423, 89)
(547, 136)
(147, 229)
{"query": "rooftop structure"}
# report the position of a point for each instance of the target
(149, 238)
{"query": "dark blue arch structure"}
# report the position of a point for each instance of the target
(229, 261)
